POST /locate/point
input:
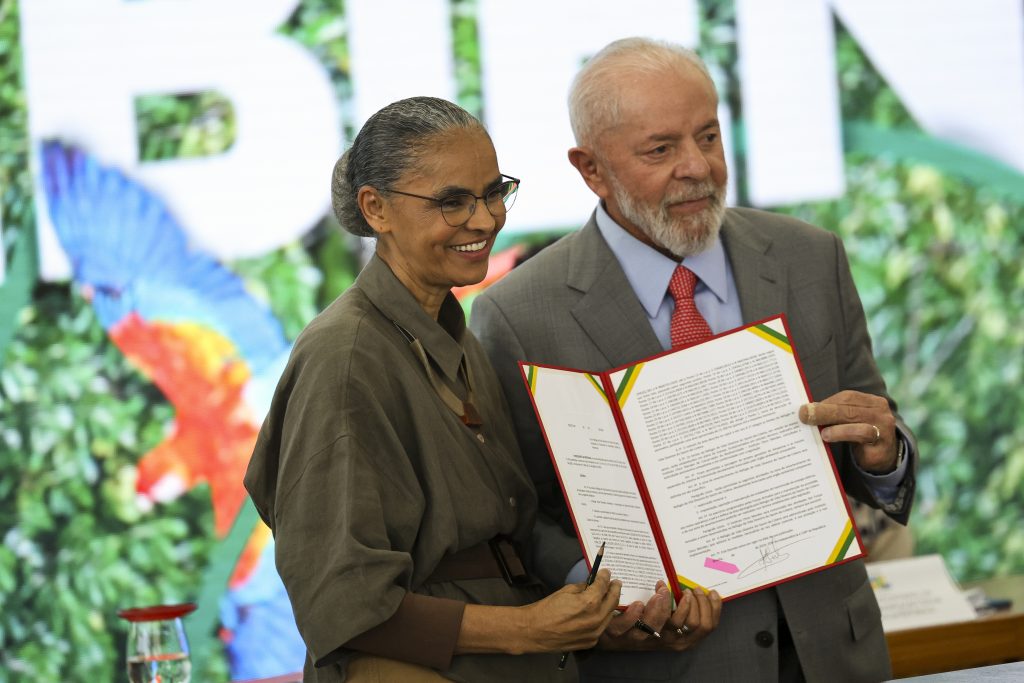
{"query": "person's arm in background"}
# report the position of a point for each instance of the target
(556, 548)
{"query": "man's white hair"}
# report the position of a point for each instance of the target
(593, 106)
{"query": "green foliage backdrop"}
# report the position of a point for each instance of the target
(75, 546)
(935, 254)
(937, 262)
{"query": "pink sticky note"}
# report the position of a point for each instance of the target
(721, 565)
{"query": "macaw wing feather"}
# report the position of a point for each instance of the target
(125, 245)
(112, 229)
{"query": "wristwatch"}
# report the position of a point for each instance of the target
(901, 451)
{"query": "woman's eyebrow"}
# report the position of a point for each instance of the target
(457, 189)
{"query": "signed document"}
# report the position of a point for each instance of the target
(693, 467)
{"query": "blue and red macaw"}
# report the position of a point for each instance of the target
(188, 324)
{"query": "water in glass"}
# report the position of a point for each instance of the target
(157, 647)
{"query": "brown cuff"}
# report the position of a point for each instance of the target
(424, 631)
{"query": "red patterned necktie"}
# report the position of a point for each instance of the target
(687, 325)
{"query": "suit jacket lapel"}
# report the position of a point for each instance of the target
(612, 316)
(760, 280)
(609, 311)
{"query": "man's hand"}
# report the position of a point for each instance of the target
(865, 420)
(696, 616)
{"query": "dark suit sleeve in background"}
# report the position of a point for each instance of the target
(556, 548)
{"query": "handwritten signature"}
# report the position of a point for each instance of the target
(770, 553)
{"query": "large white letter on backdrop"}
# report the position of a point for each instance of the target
(86, 62)
(415, 59)
(530, 53)
(958, 67)
(787, 69)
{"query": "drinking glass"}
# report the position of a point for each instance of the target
(157, 647)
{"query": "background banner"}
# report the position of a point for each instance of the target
(165, 233)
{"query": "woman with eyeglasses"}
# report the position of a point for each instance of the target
(387, 467)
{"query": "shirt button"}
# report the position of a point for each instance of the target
(764, 639)
(512, 501)
(480, 438)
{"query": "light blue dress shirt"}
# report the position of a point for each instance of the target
(649, 272)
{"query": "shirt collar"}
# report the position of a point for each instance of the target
(441, 339)
(649, 271)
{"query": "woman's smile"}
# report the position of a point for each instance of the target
(472, 247)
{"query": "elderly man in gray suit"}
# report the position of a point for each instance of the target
(662, 262)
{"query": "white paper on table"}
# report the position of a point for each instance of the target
(917, 592)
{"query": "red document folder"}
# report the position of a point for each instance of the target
(693, 468)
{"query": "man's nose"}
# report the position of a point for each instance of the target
(691, 163)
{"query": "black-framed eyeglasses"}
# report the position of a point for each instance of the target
(457, 209)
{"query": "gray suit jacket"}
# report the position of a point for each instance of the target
(571, 305)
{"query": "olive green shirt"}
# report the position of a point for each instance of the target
(367, 480)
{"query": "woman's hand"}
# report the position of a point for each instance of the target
(572, 618)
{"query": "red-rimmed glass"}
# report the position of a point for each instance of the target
(157, 647)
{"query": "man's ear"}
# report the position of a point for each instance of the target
(374, 208)
(591, 169)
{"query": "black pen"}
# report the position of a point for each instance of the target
(590, 579)
(646, 628)
(596, 565)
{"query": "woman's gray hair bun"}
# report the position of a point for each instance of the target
(388, 145)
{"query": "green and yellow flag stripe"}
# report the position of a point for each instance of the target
(626, 385)
(843, 544)
(597, 385)
(772, 336)
(685, 583)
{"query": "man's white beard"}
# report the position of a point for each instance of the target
(682, 236)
